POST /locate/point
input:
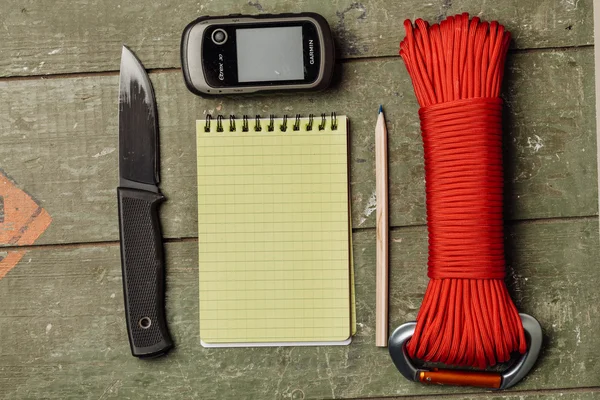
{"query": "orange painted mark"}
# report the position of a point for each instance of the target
(22, 221)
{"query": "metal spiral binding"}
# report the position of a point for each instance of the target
(271, 126)
(207, 124)
(309, 126)
(258, 127)
(297, 123)
(323, 121)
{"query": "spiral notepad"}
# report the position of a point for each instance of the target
(275, 264)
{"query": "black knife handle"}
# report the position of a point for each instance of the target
(142, 262)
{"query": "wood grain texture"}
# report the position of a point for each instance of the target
(58, 141)
(382, 232)
(575, 394)
(63, 329)
(62, 36)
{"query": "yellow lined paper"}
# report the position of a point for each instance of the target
(274, 233)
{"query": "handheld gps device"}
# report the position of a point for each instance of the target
(249, 54)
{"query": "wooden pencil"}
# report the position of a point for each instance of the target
(381, 184)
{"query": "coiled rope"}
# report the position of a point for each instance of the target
(467, 317)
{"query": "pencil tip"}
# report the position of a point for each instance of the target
(380, 109)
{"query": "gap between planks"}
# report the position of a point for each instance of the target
(106, 243)
(493, 394)
(68, 75)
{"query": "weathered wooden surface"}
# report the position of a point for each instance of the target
(63, 36)
(63, 329)
(584, 394)
(58, 139)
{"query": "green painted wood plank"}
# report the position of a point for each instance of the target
(591, 395)
(62, 36)
(577, 394)
(63, 330)
(58, 141)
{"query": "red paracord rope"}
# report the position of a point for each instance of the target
(467, 317)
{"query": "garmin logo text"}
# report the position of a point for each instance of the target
(311, 52)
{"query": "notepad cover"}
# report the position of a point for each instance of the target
(274, 235)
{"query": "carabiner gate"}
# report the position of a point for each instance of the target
(504, 380)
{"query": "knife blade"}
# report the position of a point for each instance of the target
(142, 256)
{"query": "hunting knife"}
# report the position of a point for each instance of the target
(142, 259)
